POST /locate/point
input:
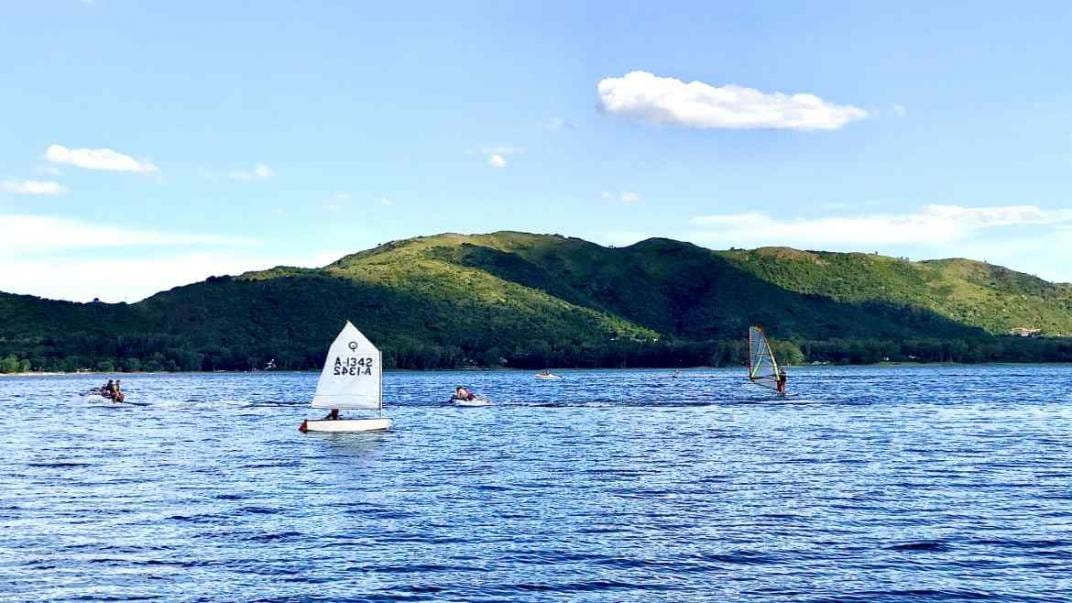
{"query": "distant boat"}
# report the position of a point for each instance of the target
(547, 376)
(478, 401)
(763, 369)
(352, 379)
(468, 398)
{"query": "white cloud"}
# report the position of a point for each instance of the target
(1027, 238)
(628, 198)
(666, 100)
(497, 155)
(899, 110)
(29, 234)
(54, 257)
(386, 201)
(32, 187)
(556, 124)
(933, 225)
(258, 172)
(133, 278)
(98, 159)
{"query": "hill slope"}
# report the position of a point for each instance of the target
(533, 300)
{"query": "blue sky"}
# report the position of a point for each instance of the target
(147, 145)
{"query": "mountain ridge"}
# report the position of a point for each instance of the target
(522, 299)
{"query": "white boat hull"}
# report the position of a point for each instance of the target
(476, 402)
(346, 425)
(548, 377)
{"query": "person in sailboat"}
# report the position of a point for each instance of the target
(462, 393)
(779, 383)
(332, 416)
(106, 389)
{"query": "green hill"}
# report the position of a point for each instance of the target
(526, 300)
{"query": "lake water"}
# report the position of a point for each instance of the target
(871, 484)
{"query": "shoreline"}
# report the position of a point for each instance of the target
(795, 367)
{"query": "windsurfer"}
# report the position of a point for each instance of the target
(780, 383)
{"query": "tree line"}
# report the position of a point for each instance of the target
(168, 353)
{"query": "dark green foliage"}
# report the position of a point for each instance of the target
(533, 301)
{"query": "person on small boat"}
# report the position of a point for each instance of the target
(462, 393)
(106, 389)
(332, 416)
(780, 382)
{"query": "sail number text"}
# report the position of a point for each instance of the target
(353, 366)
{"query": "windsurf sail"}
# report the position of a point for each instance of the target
(352, 375)
(763, 368)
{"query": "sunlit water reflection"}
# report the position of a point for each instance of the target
(871, 484)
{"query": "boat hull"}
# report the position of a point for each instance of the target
(346, 425)
(472, 403)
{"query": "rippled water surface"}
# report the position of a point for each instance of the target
(871, 484)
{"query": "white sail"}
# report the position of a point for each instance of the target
(762, 366)
(352, 375)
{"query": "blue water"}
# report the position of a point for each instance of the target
(871, 484)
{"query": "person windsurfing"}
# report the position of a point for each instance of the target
(779, 384)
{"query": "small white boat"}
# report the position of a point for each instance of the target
(347, 425)
(95, 396)
(99, 400)
(547, 376)
(473, 403)
(352, 379)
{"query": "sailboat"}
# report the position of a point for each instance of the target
(352, 379)
(763, 369)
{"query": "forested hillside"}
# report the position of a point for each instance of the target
(524, 300)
